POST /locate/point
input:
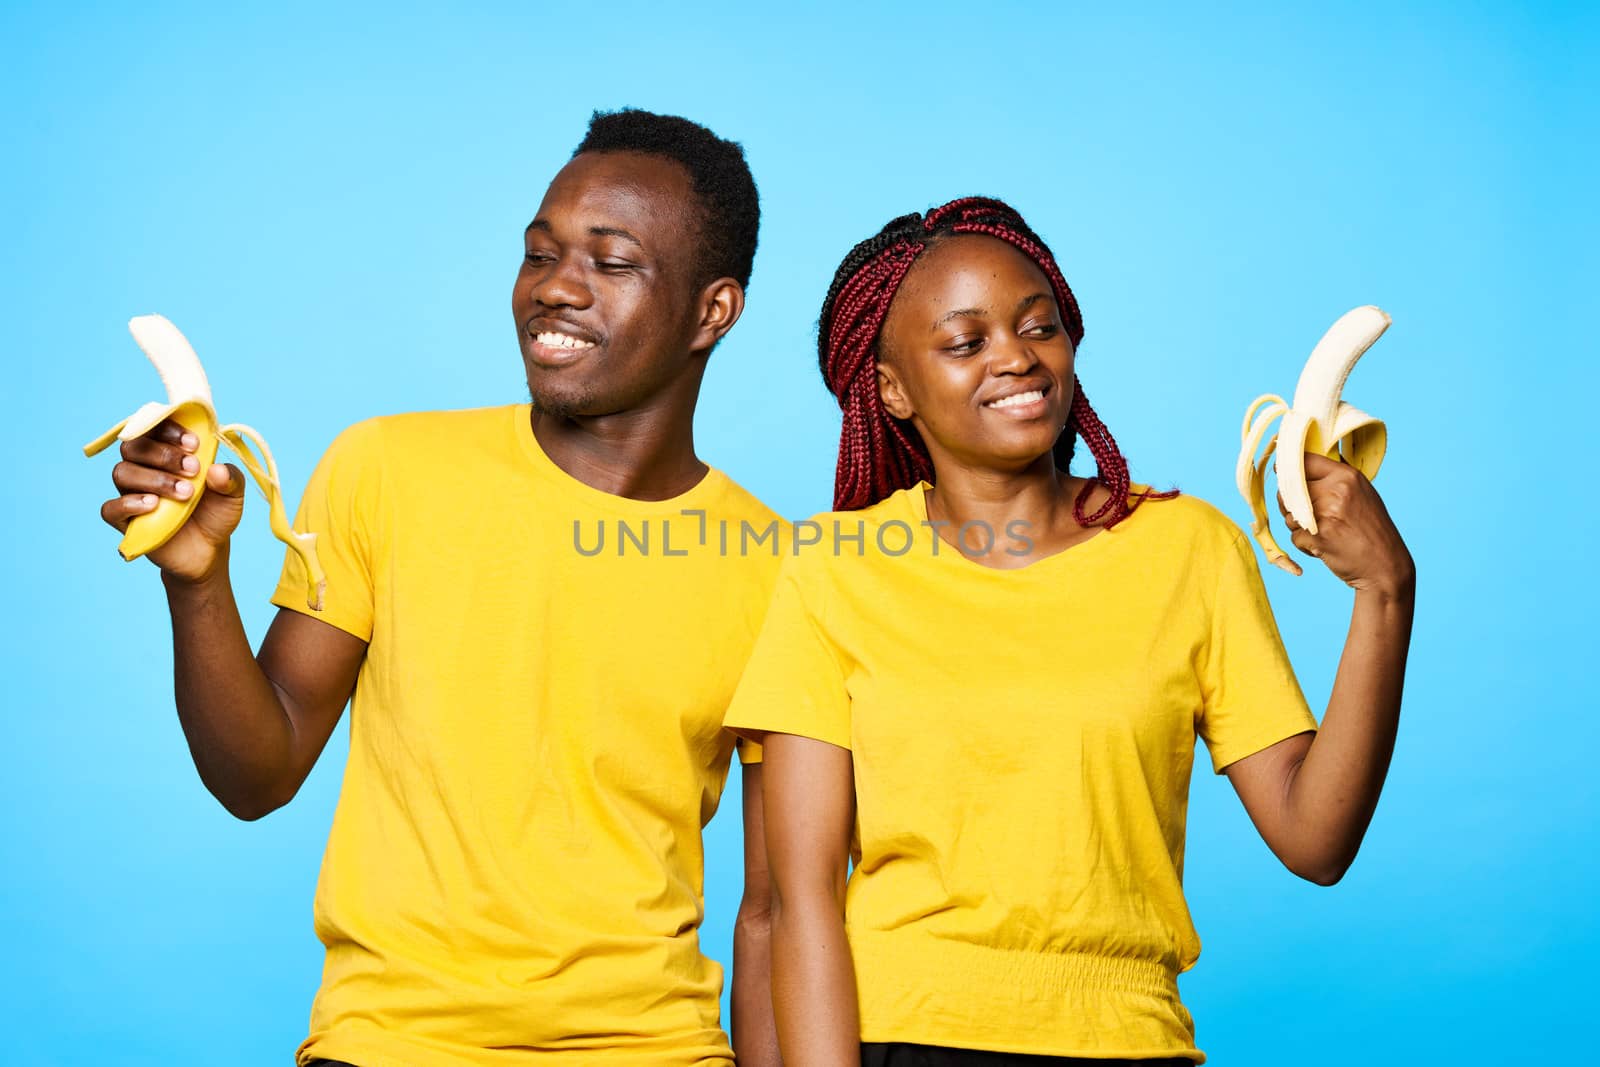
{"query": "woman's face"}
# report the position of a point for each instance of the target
(975, 355)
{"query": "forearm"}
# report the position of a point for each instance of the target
(814, 984)
(239, 734)
(1334, 791)
(755, 1035)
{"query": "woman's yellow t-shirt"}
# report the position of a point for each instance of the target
(514, 874)
(1022, 744)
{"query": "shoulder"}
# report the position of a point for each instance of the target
(898, 506)
(1185, 540)
(750, 535)
(426, 439)
(1189, 520)
(412, 425)
(738, 503)
(355, 447)
(428, 427)
(830, 546)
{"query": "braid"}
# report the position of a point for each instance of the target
(879, 454)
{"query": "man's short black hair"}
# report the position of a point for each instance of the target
(730, 211)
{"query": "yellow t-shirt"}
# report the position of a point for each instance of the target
(1022, 743)
(514, 874)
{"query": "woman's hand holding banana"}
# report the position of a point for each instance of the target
(1316, 432)
(1355, 538)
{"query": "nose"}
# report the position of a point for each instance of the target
(561, 284)
(1011, 355)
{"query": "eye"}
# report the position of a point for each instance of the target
(615, 266)
(1043, 329)
(537, 258)
(964, 346)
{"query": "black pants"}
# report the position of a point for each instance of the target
(897, 1054)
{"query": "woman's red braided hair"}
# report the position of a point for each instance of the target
(879, 454)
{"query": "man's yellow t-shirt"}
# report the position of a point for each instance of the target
(1022, 743)
(514, 874)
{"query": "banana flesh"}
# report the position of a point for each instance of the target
(189, 404)
(1318, 421)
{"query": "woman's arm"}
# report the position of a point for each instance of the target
(1313, 795)
(809, 800)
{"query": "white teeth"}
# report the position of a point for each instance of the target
(561, 340)
(1016, 399)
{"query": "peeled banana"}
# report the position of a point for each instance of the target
(189, 404)
(1318, 421)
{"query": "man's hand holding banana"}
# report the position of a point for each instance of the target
(163, 465)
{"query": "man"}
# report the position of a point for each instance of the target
(514, 873)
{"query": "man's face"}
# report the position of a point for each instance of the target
(606, 305)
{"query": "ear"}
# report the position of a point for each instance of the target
(892, 393)
(721, 304)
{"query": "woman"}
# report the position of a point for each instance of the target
(996, 718)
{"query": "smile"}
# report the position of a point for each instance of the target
(566, 342)
(550, 347)
(1017, 400)
(1024, 405)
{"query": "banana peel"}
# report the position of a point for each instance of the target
(1318, 421)
(189, 404)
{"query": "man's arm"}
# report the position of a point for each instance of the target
(255, 725)
(755, 1036)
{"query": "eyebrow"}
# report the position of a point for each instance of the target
(594, 231)
(1022, 305)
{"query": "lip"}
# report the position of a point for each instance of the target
(551, 355)
(1020, 412)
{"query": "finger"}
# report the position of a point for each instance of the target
(119, 511)
(1321, 466)
(1288, 519)
(149, 452)
(225, 478)
(171, 433)
(133, 478)
(1308, 543)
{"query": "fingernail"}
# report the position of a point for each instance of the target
(190, 441)
(147, 501)
(183, 490)
(190, 465)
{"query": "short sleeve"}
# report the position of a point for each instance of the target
(1251, 697)
(338, 506)
(794, 682)
(749, 752)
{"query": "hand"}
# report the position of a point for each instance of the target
(1355, 537)
(158, 465)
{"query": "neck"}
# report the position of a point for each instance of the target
(1037, 494)
(644, 453)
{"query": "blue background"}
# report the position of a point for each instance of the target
(330, 206)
